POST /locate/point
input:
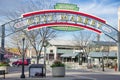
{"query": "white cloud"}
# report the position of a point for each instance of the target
(102, 10)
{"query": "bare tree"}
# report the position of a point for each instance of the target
(16, 41)
(38, 37)
(82, 40)
(35, 38)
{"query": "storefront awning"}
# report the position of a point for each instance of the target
(68, 55)
(102, 54)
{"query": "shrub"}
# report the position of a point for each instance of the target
(57, 63)
(4, 64)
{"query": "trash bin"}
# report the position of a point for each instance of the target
(36, 70)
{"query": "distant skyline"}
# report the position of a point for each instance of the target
(105, 9)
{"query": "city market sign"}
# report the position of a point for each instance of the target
(50, 18)
(66, 6)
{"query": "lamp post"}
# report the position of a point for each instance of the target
(48, 58)
(80, 57)
(103, 63)
(45, 44)
(23, 53)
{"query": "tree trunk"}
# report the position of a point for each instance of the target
(39, 54)
(37, 59)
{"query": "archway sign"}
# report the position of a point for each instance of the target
(54, 18)
(67, 20)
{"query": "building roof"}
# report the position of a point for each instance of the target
(104, 43)
(101, 54)
(65, 43)
(74, 43)
(62, 42)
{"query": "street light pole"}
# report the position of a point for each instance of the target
(103, 63)
(45, 44)
(23, 75)
(80, 57)
(48, 58)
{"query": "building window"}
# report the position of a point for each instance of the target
(51, 51)
(66, 48)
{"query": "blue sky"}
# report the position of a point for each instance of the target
(105, 9)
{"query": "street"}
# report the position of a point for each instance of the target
(71, 74)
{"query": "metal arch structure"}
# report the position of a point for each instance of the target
(66, 18)
(63, 18)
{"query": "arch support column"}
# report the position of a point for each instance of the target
(3, 37)
(2, 41)
(118, 55)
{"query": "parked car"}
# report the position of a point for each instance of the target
(19, 62)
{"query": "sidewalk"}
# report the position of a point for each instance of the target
(77, 73)
(72, 74)
(51, 78)
(48, 77)
(84, 68)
